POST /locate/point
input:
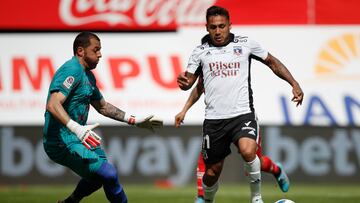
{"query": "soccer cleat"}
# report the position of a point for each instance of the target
(256, 199)
(282, 179)
(199, 200)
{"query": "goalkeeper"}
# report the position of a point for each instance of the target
(67, 139)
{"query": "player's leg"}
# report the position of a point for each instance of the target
(210, 180)
(78, 159)
(83, 189)
(200, 170)
(246, 138)
(252, 165)
(269, 166)
(107, 175)
(215, 147)
(93, 166)
(282, 179)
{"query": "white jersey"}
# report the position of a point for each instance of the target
(226, 75)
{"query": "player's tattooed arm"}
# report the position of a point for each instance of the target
(115, 113)
(281, 71)
(108, 110)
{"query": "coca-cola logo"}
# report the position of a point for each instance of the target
(130, 13)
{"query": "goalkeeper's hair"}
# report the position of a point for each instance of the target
(83, 40)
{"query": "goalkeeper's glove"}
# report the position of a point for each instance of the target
(85, 133)
(149, 122)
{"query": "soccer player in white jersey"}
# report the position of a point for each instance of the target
(267, 165)
(223, 62)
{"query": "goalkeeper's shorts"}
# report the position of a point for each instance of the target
(77, 157)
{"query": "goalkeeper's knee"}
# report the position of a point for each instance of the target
(109, 178)
(107, 173)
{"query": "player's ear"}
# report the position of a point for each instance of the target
(207, 27)
(80, 51)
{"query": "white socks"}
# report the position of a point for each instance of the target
(209, 192)
(253, 168)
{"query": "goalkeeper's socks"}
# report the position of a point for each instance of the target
(109, 178)
(209, 192)
(253, 169)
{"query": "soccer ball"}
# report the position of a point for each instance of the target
(284, 201)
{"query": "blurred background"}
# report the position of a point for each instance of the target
(145, 45)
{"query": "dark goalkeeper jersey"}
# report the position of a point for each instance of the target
(79, 87)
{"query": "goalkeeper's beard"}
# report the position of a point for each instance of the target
(91, 64)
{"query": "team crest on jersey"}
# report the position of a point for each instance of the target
(237, 50)
(68, 81)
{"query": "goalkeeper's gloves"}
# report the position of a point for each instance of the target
(85, 133)
(149, 122)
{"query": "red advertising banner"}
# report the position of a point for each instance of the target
(266, 12)
(92, 14)
(166, 15)
(337, 12)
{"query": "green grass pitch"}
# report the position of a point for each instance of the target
(300, 193)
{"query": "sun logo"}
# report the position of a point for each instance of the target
(340, 58)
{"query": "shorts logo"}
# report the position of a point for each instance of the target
(249, 128)
(68, 81)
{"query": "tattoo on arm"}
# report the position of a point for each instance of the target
(113, 112)
(280, 70)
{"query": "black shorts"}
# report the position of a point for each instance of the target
(218, 134)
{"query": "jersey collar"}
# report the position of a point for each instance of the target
(207, 39)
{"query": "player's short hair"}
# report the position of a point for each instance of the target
(83, 40)
(217, 10)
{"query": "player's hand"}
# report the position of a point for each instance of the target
(179, 118)
(148, 122)
(85, 134)
(298, 95)
(182, 80)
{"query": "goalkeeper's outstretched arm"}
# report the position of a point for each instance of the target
(109, 110)
(115, 113)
